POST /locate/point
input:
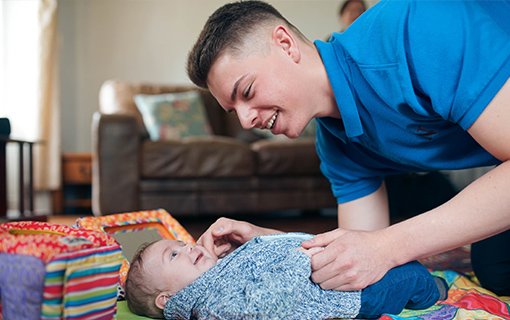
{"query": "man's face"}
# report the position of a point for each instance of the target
(266, 89)
(173, 265)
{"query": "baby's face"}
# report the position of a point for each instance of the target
(173, 265)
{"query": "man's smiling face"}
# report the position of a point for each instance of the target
(265, 86)
(175, 264)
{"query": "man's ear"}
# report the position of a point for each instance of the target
(283, 38)
(162, 298)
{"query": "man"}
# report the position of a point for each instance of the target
(412, 86)
(350, 11)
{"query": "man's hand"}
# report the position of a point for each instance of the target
(310, 252)
(225, 235)
(351, 260)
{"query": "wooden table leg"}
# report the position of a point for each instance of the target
(31, 178)
(3, 181)
(21, 180)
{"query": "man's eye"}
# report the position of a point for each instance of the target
(246, 92)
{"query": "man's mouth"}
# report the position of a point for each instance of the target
(271, 122)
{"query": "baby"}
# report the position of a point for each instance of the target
(266, 278)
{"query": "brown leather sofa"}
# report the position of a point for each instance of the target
(223, 174)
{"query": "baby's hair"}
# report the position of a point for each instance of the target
(140, 297)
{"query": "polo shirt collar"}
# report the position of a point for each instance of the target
(333, 60)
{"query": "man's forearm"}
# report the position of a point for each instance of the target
(481, 210)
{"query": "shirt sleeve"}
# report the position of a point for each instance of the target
(346, 167)
(458, 55)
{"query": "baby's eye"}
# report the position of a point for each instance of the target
(173, 254)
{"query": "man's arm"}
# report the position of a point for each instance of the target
(225, 235)
(355, 259)
(482, 208)
(367, 213)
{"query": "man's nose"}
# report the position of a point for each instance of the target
(247, 117)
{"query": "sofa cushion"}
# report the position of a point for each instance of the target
(173, 115)
(212, 156)
(286, 157)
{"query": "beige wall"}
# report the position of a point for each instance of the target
(143, 40)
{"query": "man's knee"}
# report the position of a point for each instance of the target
(491, 278)
(491, 263)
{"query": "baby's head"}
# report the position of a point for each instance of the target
(159, 270)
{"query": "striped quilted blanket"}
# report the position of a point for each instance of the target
(50, 271)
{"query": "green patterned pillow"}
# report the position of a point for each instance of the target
(173, 115)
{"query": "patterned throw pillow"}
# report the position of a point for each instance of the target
(173, 115)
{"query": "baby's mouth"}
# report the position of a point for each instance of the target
(199, 256)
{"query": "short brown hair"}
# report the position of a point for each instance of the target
(226, 28)
(347, 2)
(140, 297)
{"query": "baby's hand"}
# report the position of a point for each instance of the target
(310, 252)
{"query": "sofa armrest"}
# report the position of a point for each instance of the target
(115, 164)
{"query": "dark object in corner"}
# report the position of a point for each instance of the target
(5, 127)
(410, 194)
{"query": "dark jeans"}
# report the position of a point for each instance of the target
(491, 263)
(408, 286)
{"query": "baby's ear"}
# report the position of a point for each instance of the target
(162, 298)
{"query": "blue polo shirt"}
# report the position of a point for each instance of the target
(409, 78)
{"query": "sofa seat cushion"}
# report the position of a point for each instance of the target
(194, 157)
(286, 157)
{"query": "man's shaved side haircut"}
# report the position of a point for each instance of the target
(226, 29)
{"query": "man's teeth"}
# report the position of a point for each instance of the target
(271, 121)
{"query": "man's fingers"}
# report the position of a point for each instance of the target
(206, 240)
(217, 230)
(323, 268)
(323, 239)
(348, 287)
(332, 278)
(310, 252)
(314, 250)
(334, 285)
(222, 250)
(225, 227)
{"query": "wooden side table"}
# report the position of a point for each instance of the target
(75, 195)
